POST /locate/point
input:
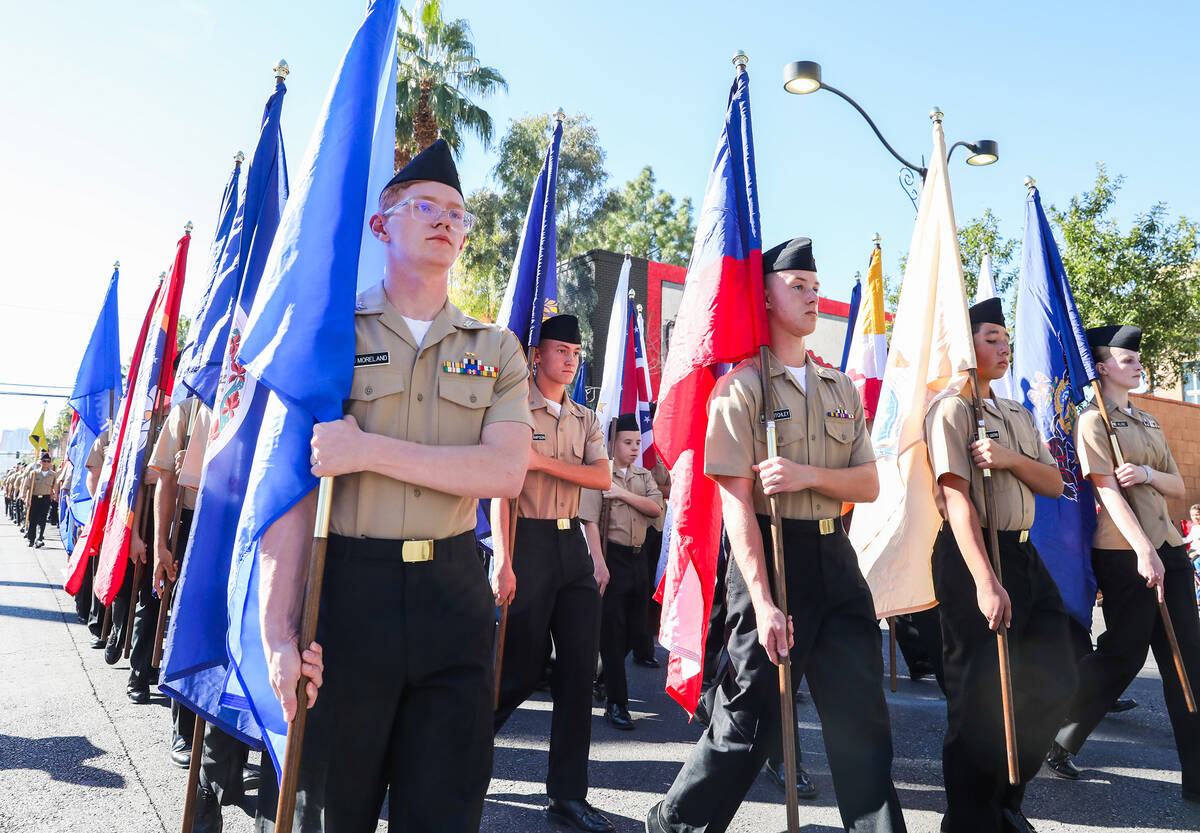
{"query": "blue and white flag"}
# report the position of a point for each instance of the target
(579, 390)
(1052, 368)
(303, 318)
(532, 292)
(200, 364)
(97, 387)
(851, 321)
(195, 668)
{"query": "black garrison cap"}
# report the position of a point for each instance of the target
(1118, 335)
(990, 311)
(46, 456)
(563, 328)
(434, 164)
(628, 422)
(794, 254)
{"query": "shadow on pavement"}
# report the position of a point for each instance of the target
(41, 584)
(32, 613)
(62, 758)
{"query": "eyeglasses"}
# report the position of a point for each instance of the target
(431, 213)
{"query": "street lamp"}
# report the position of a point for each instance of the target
(804, 77)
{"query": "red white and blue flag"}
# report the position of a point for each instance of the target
(722, 319)
(149, 391)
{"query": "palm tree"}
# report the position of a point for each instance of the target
(437, 75)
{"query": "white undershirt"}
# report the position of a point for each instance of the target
(801, 377)
(622, 471)
(417, 327)
(554, 407)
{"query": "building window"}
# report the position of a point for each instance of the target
(1191, 382)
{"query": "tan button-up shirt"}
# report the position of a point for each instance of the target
(625, 525)
(421, 395)
(663, 478)
(949, 431)
(823, 427)
(43, 481)
(95, 458)
(1142, 443)
(573, 436)
(175, 436)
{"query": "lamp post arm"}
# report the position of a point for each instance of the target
(918, 168)
(950, 152)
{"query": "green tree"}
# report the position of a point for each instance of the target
(649, 222)
(62, 425)
(486, 262)
(437, 77)
(1147, 276)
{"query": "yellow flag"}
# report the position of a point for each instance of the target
(37, 437)
(929, 359)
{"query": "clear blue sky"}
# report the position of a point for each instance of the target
(121, 120)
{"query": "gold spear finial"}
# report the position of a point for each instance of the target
(559, 115)
(187, 229)
(281, 69)
(740, 60)
(239, 158)
(1030, 183)
(116, 264)
(876, 240)
(936, 114)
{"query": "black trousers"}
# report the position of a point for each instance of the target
(39, 509)
(837, 647)
(407, 698)
(974, 761)
(623, 616)
(1134, 627)
(556, 597)
(919, 636)
(651, 548)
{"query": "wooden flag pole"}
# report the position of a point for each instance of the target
(787, 704)
(502, 624)
(193, 782)
(993, 547)
(164, 603)
(1165, 614)
(308, 632)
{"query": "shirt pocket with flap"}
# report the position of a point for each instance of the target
(375, 399)
(462, 401)
(839, 440)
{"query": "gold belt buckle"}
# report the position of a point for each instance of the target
(1023, 537)
(417, 551)
(564, 523)
(826, 526)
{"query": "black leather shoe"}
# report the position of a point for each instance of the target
(97, 642)
(805, 788)
(39, 544)
(578, 814)
(208, 812)
(29, 542)
(250, 777)
(618, 717)
(647, 662)
(1122, 704)
(1058, 761)
(598, 691)
(181, 752)
(139, 694)
(112, 652)
(920, 669)
(654, 820)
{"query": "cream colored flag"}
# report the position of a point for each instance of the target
(193, 458)
(931, 352)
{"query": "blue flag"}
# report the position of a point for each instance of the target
(195, 666)
(579, 392)
(201, 360)
(302, 319)
(97, 387)
(532, 292)
(1052, 367)
(851, 320)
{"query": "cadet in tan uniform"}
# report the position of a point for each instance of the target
(1138, 558)
(825, 458)
(437, 417)
(39, 483)
(633, 503)
(974, 604)
(557, 576)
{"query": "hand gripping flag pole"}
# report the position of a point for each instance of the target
(308, 632)
(1119, 459)
(164, 601)
(993, 550)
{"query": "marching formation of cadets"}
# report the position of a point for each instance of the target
(404, 694)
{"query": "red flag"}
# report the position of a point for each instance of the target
(722, 319)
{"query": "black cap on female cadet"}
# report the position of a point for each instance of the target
(1119, 335)
(434, 164)
(564, 328)
(794, 254)
(627, 422)
(990, 311)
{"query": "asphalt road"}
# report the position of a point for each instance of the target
(75, 754)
